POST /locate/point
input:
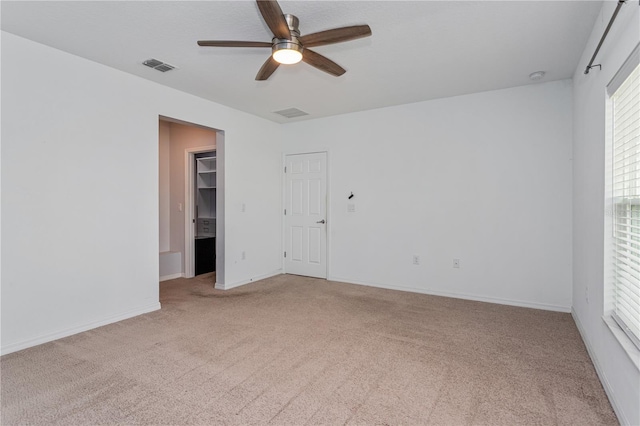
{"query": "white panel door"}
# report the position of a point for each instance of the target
(306, 214)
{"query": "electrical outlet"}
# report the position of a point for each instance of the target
(244, 256)
(456, 263)
(351, 208)
(586, 294)
(416, 259)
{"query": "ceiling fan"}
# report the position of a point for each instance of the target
(288, 47)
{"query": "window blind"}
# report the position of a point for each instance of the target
(625, 103)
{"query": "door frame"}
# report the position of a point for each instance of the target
(190, 206)
(189, 201)
(329, 220)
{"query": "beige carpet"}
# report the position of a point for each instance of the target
(293, 351)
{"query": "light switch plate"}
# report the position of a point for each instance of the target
(351, 208)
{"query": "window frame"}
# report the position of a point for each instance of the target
(628, 339)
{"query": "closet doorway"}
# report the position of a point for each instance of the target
(204, 169)
(191, 200)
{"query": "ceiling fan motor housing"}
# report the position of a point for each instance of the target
(292, 43)
(281, 43)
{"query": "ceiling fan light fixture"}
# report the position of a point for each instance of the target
(287, 52)
(287, 56)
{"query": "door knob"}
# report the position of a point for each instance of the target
(320, 221)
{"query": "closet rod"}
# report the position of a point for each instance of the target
(606, 31)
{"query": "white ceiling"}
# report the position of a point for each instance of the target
(419, 50)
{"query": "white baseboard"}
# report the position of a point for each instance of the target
(603, 379)
(171, 277)
(14, 347)
(229, 286)
(499, 301)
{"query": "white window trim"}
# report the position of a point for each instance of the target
(630, 343)
(627, 345)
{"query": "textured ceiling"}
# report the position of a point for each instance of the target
(419, 50)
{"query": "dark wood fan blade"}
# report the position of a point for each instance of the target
(267, 69)
(233, 43)
(336, 35)
(272, 14)
(325, 64)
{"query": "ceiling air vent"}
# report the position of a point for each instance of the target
(291, 113)
(158, 65)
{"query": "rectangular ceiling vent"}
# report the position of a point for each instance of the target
(158, 65)
(291, 113)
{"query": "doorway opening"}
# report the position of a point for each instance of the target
(191, 200)
(205, 169)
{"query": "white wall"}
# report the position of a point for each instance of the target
(619, 376)
(182, 138)
(485, 178)
(164, 190)
(170, 265)
(80, 192)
